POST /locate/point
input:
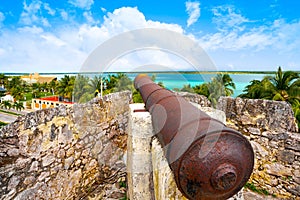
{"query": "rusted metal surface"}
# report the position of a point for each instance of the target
(209, 160)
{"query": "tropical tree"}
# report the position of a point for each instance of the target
(284, 86)
(18, 105)
(17, 92)
(6, 104)
(3, 80)
(111, 81)
(258, 90)
(216, 90)
(296, 109)
(221, 85)
(227, 83)
(44, 87)
(187, 88)
(53, 85)
(14, 82)
(95, 85)
(66, 87)
(202, 89)
(82, 89)
(123, 83)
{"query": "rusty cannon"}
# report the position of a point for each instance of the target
(208, 159)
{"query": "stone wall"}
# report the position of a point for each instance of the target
(272, 130)
(66, 153)
(195, 98)
(77, 153)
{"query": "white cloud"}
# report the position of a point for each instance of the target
(228, 18)
(83, 4)
(49, 9)
(66, 49)
(193, 10)
(28, 16)
(129, 18)
(103, 9)
(30, 30)
(89, 17)
(32, 13)
(51, 39)
(64, 15)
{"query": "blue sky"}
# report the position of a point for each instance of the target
(58, 36)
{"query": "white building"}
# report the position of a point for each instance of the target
(7, 97)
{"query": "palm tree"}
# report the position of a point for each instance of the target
(216, 90)
(296, 109)
(14, 82)
(6, 104)
(227, 84)
(82, 90)
(258, 90)
(187, 88)
(18, 105)
(221, 85)
(123, 83)
(53, 85)
(202, 89)
(286, 85)
(17, 92)
(95, 85)
(3, 79)
(66, 87)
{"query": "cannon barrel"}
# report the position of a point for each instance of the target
(208, 159)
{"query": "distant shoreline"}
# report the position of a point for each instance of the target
(163, 72)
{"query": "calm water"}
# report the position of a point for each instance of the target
(172, 81)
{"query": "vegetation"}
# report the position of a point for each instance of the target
(66, 87)
(8, 112)
(253, 188)
(284, 86)
(221, 85)
(2, 124)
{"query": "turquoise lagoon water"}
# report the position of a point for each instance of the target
(178, 80)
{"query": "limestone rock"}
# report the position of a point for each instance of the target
(286, 156)
(195, 98)
(263, 114)
(278, 169)
(47, 160)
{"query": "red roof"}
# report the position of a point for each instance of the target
(54, 98)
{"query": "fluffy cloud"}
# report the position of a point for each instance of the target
(32, 13)
(83, 4)
(64, 15)
(193, 10)
(130, 18)
(228, 18)
(66, 49)
(50, 10)
(89, 17)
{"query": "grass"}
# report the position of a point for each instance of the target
(8, 112)
(2, 124)
(253, 188)
(29, 95)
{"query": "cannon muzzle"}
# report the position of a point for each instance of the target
(208, 159)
